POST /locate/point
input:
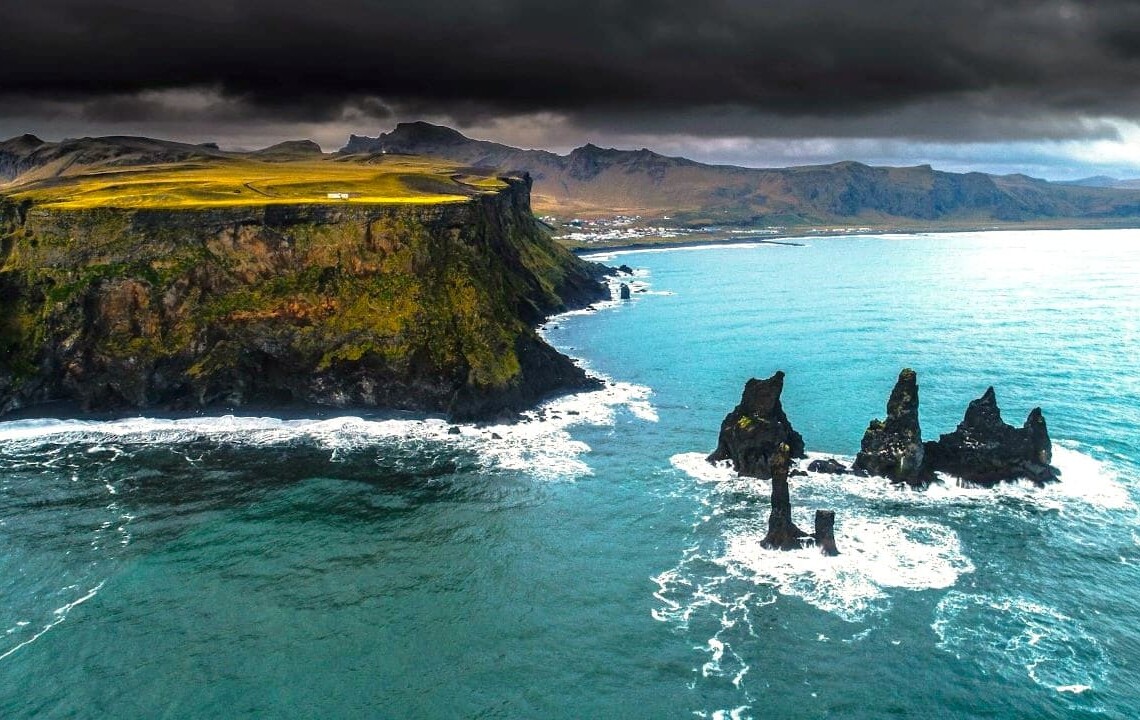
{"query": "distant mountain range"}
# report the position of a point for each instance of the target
(1104, 181)
(27, 159)
(594, 181)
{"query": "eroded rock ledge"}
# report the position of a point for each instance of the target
(429, 308)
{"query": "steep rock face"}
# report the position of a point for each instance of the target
(421, 307)
(892, 448)
(984, 450)
(752, 433)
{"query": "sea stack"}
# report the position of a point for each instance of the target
(754, 431)
(825, 532)
(985, 450)
(892, 448)
(782, 532)
(623, 291)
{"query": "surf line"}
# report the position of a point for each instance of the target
(61, 613)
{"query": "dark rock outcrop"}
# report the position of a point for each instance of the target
(782, 532)
(828, 466)
(985, 450)
(623, 291)
(752, 433)
(825, 532)
(892, 448)
(625, 269)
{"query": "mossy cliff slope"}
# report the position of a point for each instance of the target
(427, 307)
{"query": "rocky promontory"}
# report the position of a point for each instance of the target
(421, 306)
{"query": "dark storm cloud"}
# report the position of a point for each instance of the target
(920, 69)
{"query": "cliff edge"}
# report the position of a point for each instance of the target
(421, 306)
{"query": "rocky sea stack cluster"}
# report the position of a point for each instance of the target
(758, 440)
(983, 450)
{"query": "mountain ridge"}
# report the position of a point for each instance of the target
(595, 181)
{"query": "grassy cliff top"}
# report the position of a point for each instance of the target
(216, 182)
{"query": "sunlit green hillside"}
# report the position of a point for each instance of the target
(230, 182)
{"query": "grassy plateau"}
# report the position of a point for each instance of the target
(236, 182)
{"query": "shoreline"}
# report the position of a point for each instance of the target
(72, 411)
(585, 252)
(791, 240)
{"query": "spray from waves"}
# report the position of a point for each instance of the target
(1016, 634)
(882, 548)
(879, 552)
(540, 443)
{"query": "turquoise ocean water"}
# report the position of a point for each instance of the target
(588, 563)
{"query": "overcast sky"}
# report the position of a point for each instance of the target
(1048, 88)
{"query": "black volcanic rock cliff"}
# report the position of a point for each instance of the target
(429, 307)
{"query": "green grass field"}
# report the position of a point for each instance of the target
(239, 182)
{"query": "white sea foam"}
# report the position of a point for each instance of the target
(878, 553)
(1001, 633)
(696, 466)
(1086, 483)
(58, 615)
(540, 443)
